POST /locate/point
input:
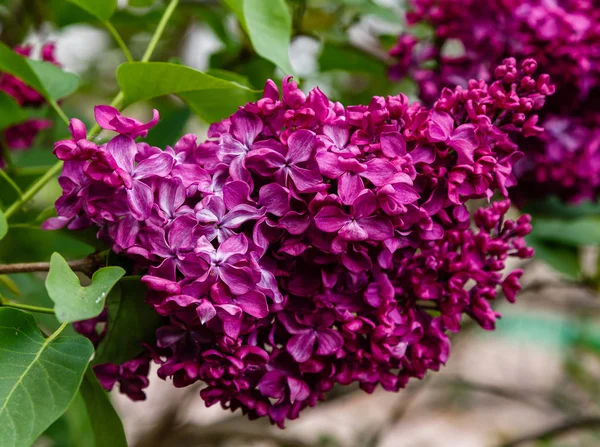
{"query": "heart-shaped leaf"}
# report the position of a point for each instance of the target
(107, 429)
(101, 9)
(47, 79)
(210, 97)
(72, 302)
(269, 26)
(131, 322)
(39, 377)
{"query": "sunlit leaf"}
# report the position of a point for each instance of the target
(131, 322)
(576, 232)
(39, 377)
(346, 58)
(269, 27)
(563, 258)
(47, 79)
(72, 302)
(210, 97)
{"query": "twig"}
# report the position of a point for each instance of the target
(86, 265)
(589, 422)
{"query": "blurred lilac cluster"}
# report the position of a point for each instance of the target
(21, 136)
(563, 36)
(306, 243)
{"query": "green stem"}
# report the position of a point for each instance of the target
(33, 189)
(41, 310)
(11, 182)
(6, 154)
(159, 30)
(59, 111)
(118, 39)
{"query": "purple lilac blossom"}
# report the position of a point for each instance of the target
(21, 136)
(306, 243)
(563, 36)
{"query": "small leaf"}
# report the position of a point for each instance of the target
(11, 112)
(107, 429)
(47, 79)
(131, 322)
(210, 97)
(72, 302)
(3, 225)
(269, 26)
(40, 377)
(101, 9)
(58, 83)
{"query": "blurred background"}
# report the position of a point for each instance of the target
(534, 381)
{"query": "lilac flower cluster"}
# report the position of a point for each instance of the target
(21, 136)
(563, 36)
(306, 243)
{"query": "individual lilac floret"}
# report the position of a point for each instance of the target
(306, 244)
(21, 136)
(562, 36)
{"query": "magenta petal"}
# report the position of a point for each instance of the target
(104, 115)
(241, 214)
(237, 244)
(300, 346)
(158, 165)
(353, 232)
(464, 141)
(378, 228)
(441, 126)
(350, 185)
(305, 180)
(299, 390)
(239, 279)
(205, 311)
(329, 165)
(329, 342)
(272, 385)
(393, 144)
(140, 199)
(123, 149)
(275, 198)
(253, 303)
(378, 171)
(245, 127)
(301, 145)
(330, 219)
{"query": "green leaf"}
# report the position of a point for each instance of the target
(107, 429)
(11, 112)
(3, 225)
(39, 377)
(577, 232)
(563, 258)
(72, 302)
(131, 322)
(269, 27)
(210, 97)
(101, 9)
(58, 83)
(47, 79)
(345, 58)
(141, 3)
